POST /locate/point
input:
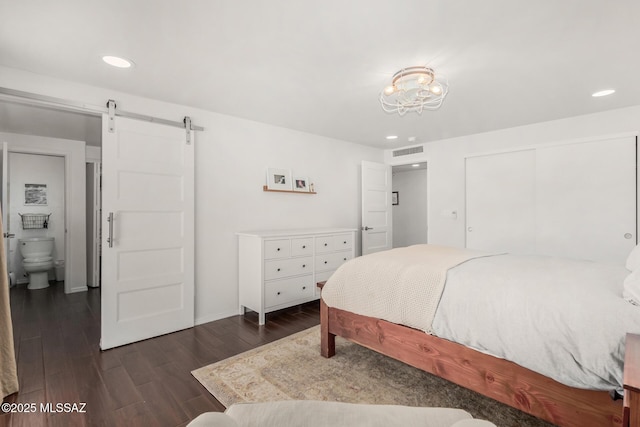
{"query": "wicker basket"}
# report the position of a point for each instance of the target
(32, 220)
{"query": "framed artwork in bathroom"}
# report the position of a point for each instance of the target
(35, 194)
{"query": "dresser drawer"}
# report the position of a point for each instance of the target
(279, 268)
(301, 247)
(343, 242)
(277, 248)
(284, 291)
(325, 244)
(332, 261)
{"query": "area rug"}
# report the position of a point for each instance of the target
(292, 368)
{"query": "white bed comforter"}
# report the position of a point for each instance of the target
(402, 285)
(563, 318)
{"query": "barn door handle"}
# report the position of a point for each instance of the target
(110, 238)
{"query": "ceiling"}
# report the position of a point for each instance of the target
(319, 66)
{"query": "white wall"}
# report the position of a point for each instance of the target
(35, 169)
(410, 215)
(446, 160)
(74, 152)
(232, 156)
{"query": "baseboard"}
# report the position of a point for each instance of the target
(214, 317)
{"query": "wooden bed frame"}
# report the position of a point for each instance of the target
(497, 378)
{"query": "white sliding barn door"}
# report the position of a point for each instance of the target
(586, 199)
(148, 246)
(376, 207)
(500, 193)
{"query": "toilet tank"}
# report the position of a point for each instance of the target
(36, 247)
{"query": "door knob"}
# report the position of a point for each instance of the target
(628, 236)
(365, 228)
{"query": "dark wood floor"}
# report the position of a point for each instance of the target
(143, 384)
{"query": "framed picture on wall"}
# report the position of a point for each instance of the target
(35, 194)
(279, 179)
(301, 184)
(395, 199)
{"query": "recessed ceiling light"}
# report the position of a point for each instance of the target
(415, 165)
(392, 137)
(116, 61)
(603, 93)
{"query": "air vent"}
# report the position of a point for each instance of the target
(407, 151)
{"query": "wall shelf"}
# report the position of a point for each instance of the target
(265, 188)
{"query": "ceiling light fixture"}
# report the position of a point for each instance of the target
(603, 93)
(392, 137)
(415, 165)
(116, 61)
(414, 89)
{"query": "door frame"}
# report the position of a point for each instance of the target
(428, 192)
(409, 160)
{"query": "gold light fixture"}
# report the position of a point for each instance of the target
(414, 89)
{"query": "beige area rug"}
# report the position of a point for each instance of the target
(292, 368)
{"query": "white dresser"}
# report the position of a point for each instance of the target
(280, 268)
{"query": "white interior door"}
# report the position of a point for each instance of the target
(586, 200)
(376, 207)
(500, 199)
(148, 245)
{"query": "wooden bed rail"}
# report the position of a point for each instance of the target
(632, 381)
(497, 378)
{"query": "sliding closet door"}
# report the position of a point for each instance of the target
(500, 194)
(586, 199)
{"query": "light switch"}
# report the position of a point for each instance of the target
(449, 213)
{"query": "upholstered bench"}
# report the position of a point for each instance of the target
(306, 413)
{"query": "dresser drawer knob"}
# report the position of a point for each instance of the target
(325, 244)
(325, 262)
(304, 247)
(304, 287)
(278, 269)
(345, 242)
(278, 249)
(345, 259)
(304, 265)
(278, 293)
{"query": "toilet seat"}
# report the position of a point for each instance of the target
(39, 259)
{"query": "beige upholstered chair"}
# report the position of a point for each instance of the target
(297, 413)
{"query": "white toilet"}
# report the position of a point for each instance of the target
(37, 260)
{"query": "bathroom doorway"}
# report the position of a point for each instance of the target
(49, 132)
(36, 209)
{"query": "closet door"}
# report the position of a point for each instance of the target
(586, 200)
(500, 197)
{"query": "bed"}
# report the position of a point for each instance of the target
(414, 304)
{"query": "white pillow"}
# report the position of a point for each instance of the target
(631, 289)
(633, 260)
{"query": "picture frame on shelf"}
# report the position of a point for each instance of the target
(279, 179)
(301, 184)
(395, 198)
